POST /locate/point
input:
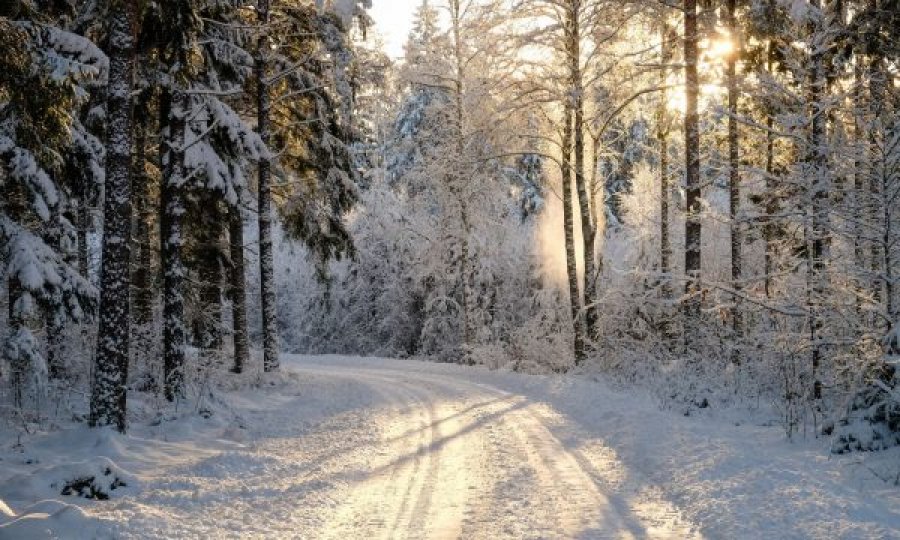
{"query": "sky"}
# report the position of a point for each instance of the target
(394, 19)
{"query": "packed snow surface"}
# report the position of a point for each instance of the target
(350, 448)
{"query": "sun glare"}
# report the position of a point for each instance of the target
(722, 47)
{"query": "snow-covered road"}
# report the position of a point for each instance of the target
(364, 448)
(368, 449)
(459, 459)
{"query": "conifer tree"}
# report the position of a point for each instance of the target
(108, 398)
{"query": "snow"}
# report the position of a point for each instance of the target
(102, 476)
(52, 520)
(341, 447)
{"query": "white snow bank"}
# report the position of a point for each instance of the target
(98, 478)
(51, 520)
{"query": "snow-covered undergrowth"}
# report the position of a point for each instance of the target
(60, 479)
(283, 460)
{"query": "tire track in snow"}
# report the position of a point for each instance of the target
(476, 462)
(379, 498)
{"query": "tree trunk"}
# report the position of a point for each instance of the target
(238, 290)
(143, 281)
(693, 227)
(210, 273)
(458, 179)
(888, 243)
(734, 180)
(878, 81)
(55, 326)
(588, 227)
(108, 395)
(665, 243)
(569, 226)
(17, 323)
(174, 112)
(266, 256)
(770, 200)
(817, 230)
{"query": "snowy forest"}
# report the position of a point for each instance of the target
(696, 199)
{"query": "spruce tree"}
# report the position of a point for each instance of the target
(108, 396)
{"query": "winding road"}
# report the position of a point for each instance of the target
(346, 448)
(460, 459)
(365, 449)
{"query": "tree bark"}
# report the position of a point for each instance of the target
(108, 394)
(665, 244)
(734, 179)
(264, 196)
(143, 215)
(55, 326)
(878, 84)
(458, 177)
(569, 226)
(817, 230)
(238, 290)
(770, 201)
(693, 227)
(588, 227)
(84, 224)
(174, 112)
(210, 272)
(16, 323)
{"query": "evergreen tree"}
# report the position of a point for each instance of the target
(42, 78)
(108, 397)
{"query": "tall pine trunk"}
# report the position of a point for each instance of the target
(859, 198)
(770, 198)
(210, 273)
(817, 229)
(17, 323)
(143, 215)
(238, 290)
(174, 110)
(662, 134)
(108, 394)
(266, 255)
(458, 178)
(55, 326)
(734, 179)
(876, 73)
(693, 227)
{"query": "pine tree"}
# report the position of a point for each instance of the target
(174, 110)
(144, 214)
(108, 396)
(663, 125)
(238, 289)
(693, 228)
(264, 198)
(207, 145)
(43, 73)
(734, 175)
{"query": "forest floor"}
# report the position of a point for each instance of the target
(351, 448)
